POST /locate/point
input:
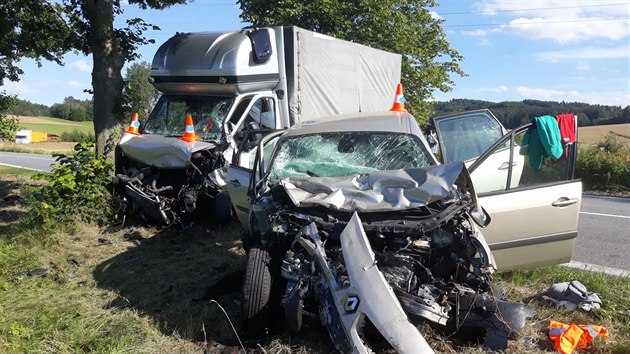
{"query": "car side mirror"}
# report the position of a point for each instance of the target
(480, 216)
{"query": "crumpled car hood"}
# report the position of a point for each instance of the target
(161, 151)
(378, 191)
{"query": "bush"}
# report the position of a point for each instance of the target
(605, 166)
(77, 189)
(76, 136)
(610, 144)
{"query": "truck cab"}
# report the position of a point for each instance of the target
(238, 86)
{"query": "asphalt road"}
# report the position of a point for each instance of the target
(37, 162)
(603, 230)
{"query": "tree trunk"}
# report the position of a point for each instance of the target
(108, 60)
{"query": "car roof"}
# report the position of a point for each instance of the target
(387, 121)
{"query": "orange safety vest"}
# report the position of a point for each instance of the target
(566, 338)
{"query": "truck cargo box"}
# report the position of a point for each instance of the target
(328, 76)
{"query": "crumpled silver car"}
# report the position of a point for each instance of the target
(353, 222)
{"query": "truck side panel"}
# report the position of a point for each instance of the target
(328, 76)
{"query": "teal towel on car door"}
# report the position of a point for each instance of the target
(542, 140)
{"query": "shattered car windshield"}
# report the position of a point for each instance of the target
(169, 115)
(346, 153)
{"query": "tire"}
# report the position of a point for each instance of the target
(222, 207)
(256, 290)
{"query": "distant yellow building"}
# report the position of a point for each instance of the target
(29, 136)
(38, 136)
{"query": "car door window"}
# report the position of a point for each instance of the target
(261, 115)
(242, 178)
(466, 136)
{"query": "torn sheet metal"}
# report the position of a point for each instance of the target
(161, 151)
(379, 191)
(368, 294)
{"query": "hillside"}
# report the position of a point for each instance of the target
(514, 113)
(55, 125)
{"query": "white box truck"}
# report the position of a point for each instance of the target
(238, 86)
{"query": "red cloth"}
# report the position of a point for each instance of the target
(566, 123)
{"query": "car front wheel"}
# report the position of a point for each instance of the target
(256, 289)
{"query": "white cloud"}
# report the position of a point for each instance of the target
(497, 89)
(585, 53)
(435, 15)
(544, 94)
(582, 66)
(73, 83)
(559, 20)
(81, 65)
(475, 33)
(485, 41)
(613, 98)
(19, 88)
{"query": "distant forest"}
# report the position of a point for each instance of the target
(513, 114)
(70, 109)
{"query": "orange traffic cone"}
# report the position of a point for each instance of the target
(399, 101)
(135, 124)
(189, 133)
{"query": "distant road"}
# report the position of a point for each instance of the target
(604, 232)
(37, 162)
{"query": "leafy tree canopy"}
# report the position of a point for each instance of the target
(140, 95)
(29, 29)
(401, 26)
(47, 29)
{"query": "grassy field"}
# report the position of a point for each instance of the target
(43, 147)
(595, 134)
(54, 125)
(146, 290)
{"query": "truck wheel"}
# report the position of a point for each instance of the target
(222, 207)
(256, 289)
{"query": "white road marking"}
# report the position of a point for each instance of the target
(26, 168)
(28, 157)
(597, 268)
(611, 215)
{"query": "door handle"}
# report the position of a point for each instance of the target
(562, 202)
(235, 183)
(505, 165)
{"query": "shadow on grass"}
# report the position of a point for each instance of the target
(166, 277)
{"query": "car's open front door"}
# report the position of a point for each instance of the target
(240, 177)
(465, 136)
(534, 203)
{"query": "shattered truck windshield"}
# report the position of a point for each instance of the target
(346, 153)
(169, 115)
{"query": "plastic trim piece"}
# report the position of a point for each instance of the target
(533, 241)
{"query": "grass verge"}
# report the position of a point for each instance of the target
(145, 290)
(47, 148)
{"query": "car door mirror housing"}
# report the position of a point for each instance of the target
(480, 216)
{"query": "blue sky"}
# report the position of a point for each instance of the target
(558, 50)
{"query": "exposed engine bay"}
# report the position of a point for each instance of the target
(163, 178)
(371, 277)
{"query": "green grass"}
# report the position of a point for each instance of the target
(58, 129)
(136, 292)
(18, 172)
(614, 292)
(26, 150)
